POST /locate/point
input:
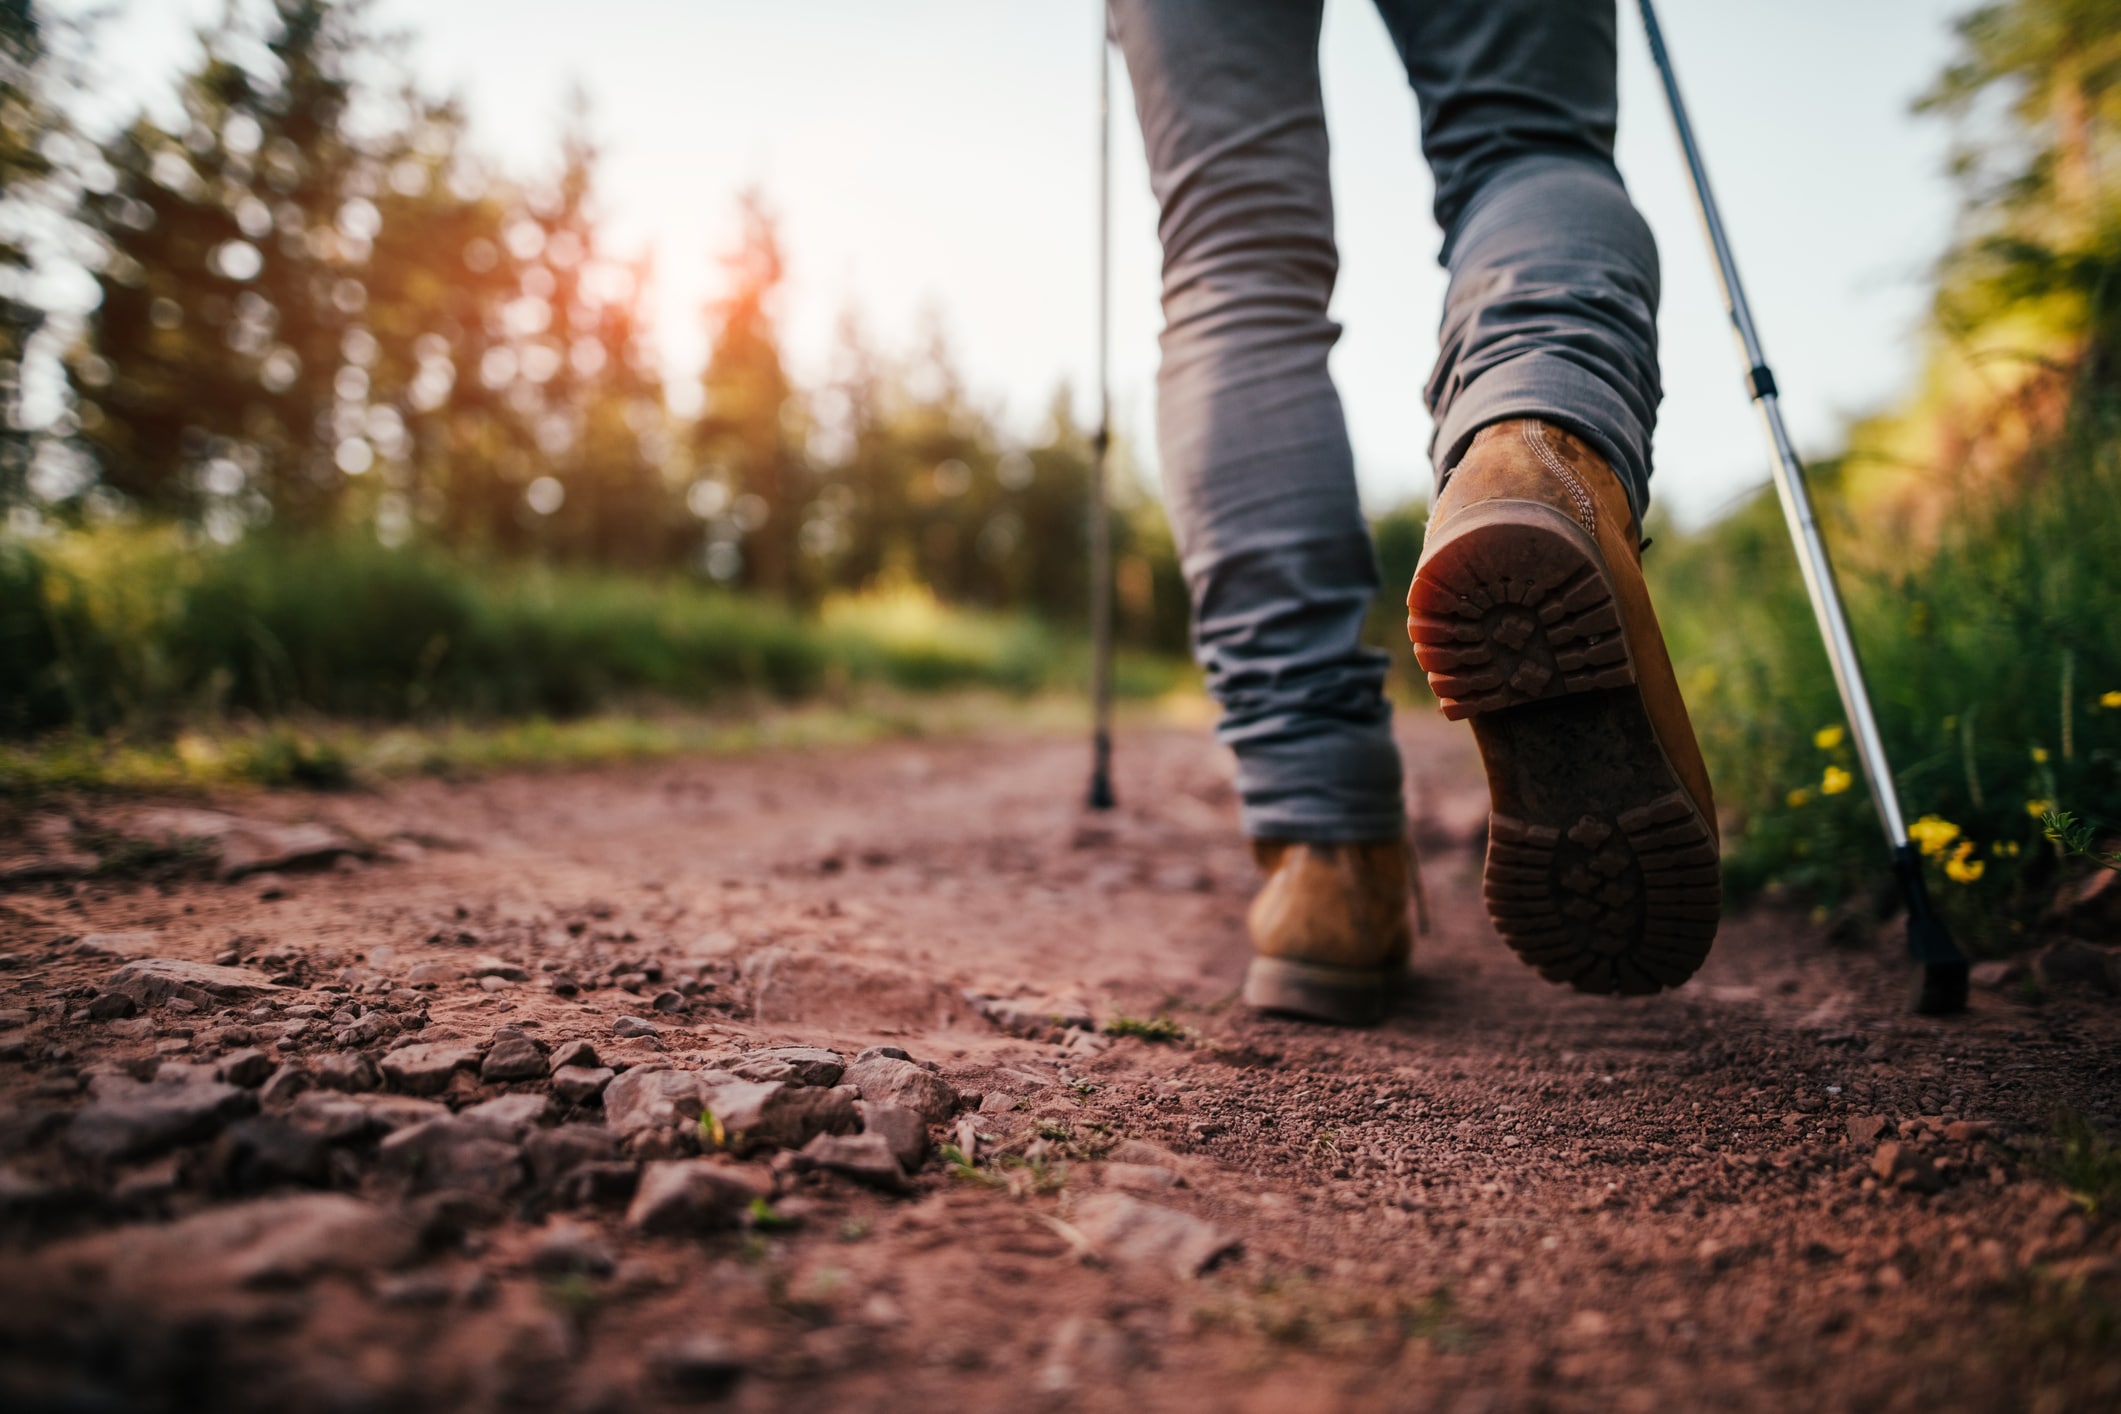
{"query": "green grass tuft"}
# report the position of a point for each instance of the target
(1154, 1029)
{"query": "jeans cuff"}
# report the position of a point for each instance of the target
(1553, 389)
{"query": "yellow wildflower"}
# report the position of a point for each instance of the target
(1961, 869)
(1835, 781)
(2039, 756)
(2006, 848)
(1797, 797)
(1933, 833)
(2110, 699)
(1827, 738)
(2037, 808)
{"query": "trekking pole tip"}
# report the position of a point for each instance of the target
(1941, 986)
(1101, 797)
(1941, 989)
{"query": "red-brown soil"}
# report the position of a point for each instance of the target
(1506, 1197)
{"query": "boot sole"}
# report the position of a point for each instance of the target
(1601, 872)
(1347, 996)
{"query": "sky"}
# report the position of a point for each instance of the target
(933, 164)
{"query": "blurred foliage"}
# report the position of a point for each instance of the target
(319, 311)
(143, 630)
(1994, 667)
(1983, 591)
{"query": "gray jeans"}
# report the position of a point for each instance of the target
(1551, 313)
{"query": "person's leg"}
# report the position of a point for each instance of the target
(1552, 306)
(1260, 485)
(1529, 609)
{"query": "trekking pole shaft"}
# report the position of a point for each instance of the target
(1796, 501)
(1942, 983)
(1101, 797)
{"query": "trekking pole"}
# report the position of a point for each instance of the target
(1101, 797)
(1941, 987)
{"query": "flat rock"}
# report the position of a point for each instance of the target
(1865, 1129)
(696, 1368)
(575, 1053)
(30, 865)
(1997, 973)
(240, 846)
(903, 1129)
(487, 965)
(257, 846)
(508, 1117)
(456, 1154)
(579, 1084)
(433, 974)
(349, 1071)
(887, 1080)
(630, 1027)
(130, 1120)
(262, 1243)
(694, 1195)
(656, 1099)
(267, 1151)
(513, 1056)
(152, 980)
(424, 1068)
(2090, 906)
(564, 1248)
(797, 1065)
(122, 946)
(1032, 1016)
(338, 1118)
(1133, 1233)
(1139, 1178)
(756, 1114)
(865, 1158)
(283, 1085)
(2068, 963)
(553, 1153)
(603, 1182)
(248, 1067)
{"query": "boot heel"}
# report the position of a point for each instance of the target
(1350, 996)
(1513, 606)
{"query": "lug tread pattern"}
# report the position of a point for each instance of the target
(1626, 903)
(1510, 614)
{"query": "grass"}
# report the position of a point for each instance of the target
(1021, 1177)
(1152, 1029)
(1993, 664)
(324, 754)
(138, 660)
(2085, 1162)
(138, 629)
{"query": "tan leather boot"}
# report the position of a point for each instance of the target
(1530, 615)
(1329, 929)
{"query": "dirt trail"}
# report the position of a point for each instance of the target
(1773, 1189)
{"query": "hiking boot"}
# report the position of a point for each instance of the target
(1329, 929)
(1530, 615)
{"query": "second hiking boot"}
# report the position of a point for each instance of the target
(1530, 616)
(1329, 929)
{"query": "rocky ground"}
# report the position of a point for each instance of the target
(889, 1079)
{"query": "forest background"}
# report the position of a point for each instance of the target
(363, 461)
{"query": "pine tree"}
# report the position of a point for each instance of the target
(229, 368)
(743, 438)
(25, 119)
